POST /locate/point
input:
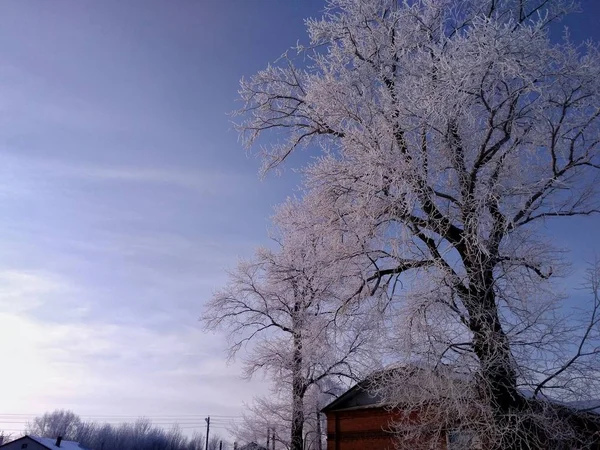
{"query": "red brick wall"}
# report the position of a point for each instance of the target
(361, 429)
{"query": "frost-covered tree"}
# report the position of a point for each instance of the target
(139, 435)
(60, 422)
(5, 437)
(284, 308)
(196, 442)
(450, 130)
(269, 417)
(213, 443)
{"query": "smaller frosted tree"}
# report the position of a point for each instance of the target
(5, 437)
(196, 441)
(282, 306)
(57, 423)
(269, 417)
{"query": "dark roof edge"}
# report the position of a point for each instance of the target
(361, 385)
(331, 407)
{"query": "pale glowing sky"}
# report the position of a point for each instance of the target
(125, 194)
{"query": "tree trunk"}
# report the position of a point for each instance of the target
(491, 345)
(298, 391)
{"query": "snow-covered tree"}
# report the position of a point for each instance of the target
(139, 435)
(196, 442)
(285, 308)
(450, 130)
(60, 422)
(5, 437)
(216, 442)
(269, 417)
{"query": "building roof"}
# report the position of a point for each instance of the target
(368, 393)
(49, 443)
(362, 395)
(357, 397)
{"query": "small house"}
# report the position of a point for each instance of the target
(40, 443)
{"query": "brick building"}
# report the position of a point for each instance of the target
(360, 420)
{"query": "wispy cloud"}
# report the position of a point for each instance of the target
(208, 181)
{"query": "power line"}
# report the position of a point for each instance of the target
(200, 416)
(172, 424)
(184, 422)
(126, 418)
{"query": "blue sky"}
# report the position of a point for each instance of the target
(125, 194)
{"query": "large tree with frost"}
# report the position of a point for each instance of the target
(450, 129)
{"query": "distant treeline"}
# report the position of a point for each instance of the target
(139, 435)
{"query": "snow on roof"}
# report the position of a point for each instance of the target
(51, 443)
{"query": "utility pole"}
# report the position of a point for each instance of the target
(207, 420)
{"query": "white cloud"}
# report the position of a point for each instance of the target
(22, 290)
(28, 371)
(100, 367)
